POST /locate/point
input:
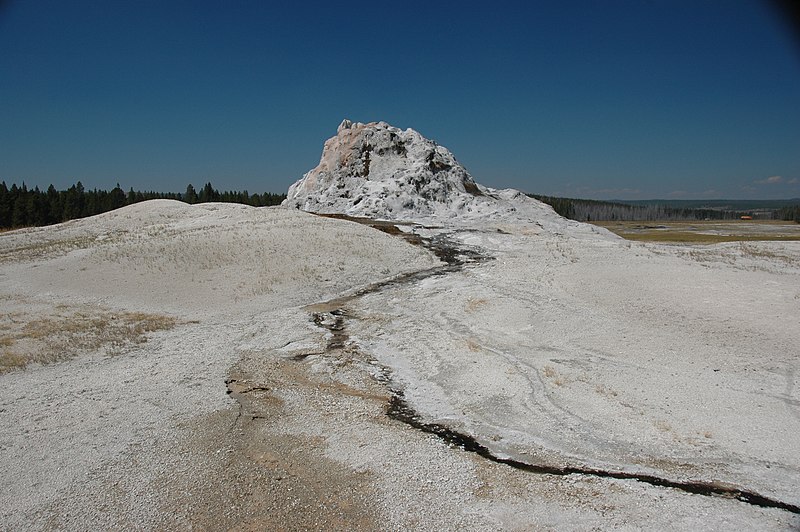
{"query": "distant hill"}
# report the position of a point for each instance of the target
(719, 204)
(586, 210)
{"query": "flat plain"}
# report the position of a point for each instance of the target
(704, 231)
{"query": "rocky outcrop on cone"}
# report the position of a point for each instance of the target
(376, 170)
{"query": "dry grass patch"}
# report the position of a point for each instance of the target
(29, 249)
(10, 361)
(607, 391)
(751, 250)
(473, 345)
(555, 376)
(663, 426)
(474, 304)
(704, 232)
(61, 333)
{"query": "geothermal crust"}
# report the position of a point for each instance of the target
(477, 363)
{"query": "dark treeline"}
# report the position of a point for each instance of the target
(21, 206)
(789, 213)
(596, 210)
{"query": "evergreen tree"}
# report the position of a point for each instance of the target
(18, 215)
(208, 194)
(116, 198)
(6, 205)
(190, 196)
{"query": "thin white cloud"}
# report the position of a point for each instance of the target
(793, 181)
(772, 180)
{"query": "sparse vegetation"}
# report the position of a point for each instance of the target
(704, 232)
(602, 389)
(473, 304)
(43, 248)
(752, 250)
(557, 378)
(473, 345)
(64, 332)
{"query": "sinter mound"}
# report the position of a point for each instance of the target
(376, 170)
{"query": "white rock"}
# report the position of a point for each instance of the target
(376, 170)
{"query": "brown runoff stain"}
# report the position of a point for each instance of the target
(261, 478)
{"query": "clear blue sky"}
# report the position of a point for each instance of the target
(612, 99)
